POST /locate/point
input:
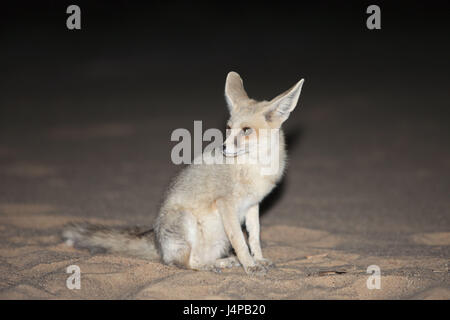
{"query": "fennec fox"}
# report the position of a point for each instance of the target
(200, 220)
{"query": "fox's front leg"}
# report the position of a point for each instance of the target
(234, 233)
(252, 225)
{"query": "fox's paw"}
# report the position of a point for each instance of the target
(228, 262)
(257, 270)
(208, 267)
(266, 263)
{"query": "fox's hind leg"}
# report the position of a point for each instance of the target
(186, 243)
(175, 252)
(172, 233)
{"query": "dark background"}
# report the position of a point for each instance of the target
(86, 115)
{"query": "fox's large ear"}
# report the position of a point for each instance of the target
(281, 106)
(234, 90)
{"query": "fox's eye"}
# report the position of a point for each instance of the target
(247, 131)
(228, 127)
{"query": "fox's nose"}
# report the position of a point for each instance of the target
(224, 147)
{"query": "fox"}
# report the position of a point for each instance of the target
(204, 210)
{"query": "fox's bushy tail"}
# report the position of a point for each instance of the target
(135, 241)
